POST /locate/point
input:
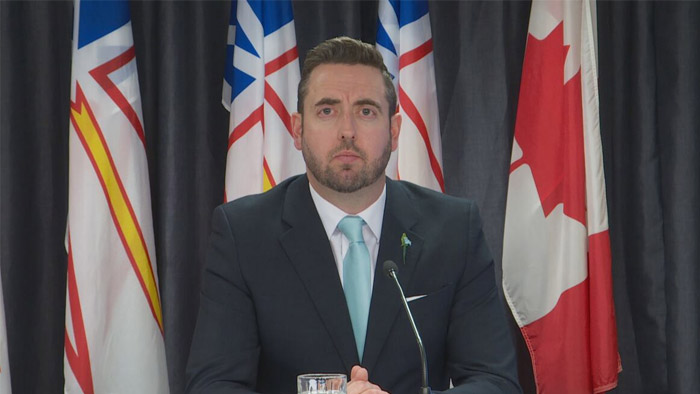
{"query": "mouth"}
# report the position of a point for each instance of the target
(347, 156)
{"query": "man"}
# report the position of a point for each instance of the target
(293, 282)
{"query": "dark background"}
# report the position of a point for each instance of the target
(649, 88)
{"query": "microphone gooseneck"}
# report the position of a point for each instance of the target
(390, 269)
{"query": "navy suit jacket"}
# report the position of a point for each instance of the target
(272, 305)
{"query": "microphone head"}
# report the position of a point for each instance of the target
(388, 267)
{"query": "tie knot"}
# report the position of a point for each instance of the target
(351, 226)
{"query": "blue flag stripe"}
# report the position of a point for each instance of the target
(99, 18)
(241, 81)
(384, 40)
(243, 42)
(272, 14)
(411, 11)
(276, 15)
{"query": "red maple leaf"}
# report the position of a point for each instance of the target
(549, 126)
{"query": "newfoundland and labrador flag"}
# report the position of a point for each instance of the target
(405, 40)
(556, 251)
(114, 321)
(260, 87)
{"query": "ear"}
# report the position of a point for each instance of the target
(395, 129)
(296, 129)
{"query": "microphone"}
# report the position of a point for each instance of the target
(390, 269)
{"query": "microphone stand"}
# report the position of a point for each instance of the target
(390, 269)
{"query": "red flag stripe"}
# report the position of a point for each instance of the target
(416, 54)
(101, 75)
(276, 103)
(245, 126)
(604, 356)
(584, 347)
(281, 61)
(78, 360)
(569, 354)
(411, 111)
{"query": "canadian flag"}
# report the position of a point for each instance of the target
(556, 252)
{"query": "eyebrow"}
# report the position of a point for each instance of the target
(369, 102)
(366, 101)
(326, 101)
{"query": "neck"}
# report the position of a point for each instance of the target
(350, 203)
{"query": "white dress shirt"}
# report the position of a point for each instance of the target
(371, 230)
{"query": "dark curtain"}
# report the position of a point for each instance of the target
(648, 57)
(650, 99)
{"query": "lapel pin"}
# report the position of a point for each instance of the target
(405, 243)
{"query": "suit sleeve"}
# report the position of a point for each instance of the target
(225, 348)
(481, 353)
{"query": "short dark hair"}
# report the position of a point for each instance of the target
(344, 50)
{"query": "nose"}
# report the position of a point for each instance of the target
(347, 127)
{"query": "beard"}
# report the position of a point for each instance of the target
(343, 180)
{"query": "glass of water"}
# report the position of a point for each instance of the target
(322, 383)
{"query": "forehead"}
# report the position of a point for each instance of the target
(346, 82)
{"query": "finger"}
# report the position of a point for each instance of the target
(359, 373)
(363, 387)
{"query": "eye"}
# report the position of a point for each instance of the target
(325, 111)
(367, 111)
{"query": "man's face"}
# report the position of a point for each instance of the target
(346, 134)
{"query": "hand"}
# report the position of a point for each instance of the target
(359, 382)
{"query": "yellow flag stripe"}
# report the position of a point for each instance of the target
(268, 180)
(125, 220)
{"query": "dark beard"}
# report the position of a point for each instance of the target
(344, 182)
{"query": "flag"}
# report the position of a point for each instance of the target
(556, 252)
(5, 386)
(227, 90)
(263, 75)
(114, 321)
(405, 41)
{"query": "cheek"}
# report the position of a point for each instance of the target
(316, 144)
(379, 138)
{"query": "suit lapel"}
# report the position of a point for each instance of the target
(309, 251)
(399, 218)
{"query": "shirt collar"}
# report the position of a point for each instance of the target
(332, 215)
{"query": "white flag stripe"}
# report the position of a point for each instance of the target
(249, 64)
(226, 89)
(246, 103)
(544, 17)
(280, 41)
(415, 34)
(389, 20)
(231, 38)
(249, 23)
(392, 63)
(597, 214)
(545, 267)
(226, 92)
(246, 157)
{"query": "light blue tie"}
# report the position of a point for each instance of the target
(356, 278)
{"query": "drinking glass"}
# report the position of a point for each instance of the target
(321, 383)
